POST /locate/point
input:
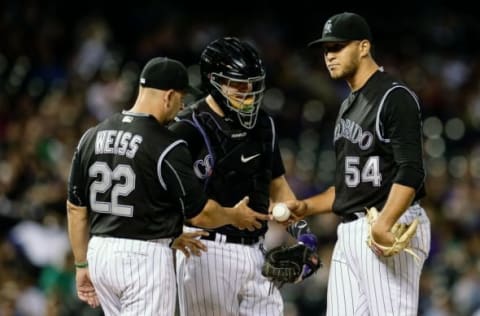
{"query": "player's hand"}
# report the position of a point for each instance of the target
(85, 290)
(382, 234)
(291, 219)
(298, 209)
(189, 243)
(246, 218)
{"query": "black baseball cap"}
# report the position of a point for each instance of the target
(343, 27)
(164, 73)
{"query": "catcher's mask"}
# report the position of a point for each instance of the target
(233, 74)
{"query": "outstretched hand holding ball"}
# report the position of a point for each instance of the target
(280, 212)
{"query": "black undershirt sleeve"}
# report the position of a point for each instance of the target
(402, 121)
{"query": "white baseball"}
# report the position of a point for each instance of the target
(280, 212)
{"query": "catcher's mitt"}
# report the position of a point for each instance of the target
(290, 264)
(403, 233)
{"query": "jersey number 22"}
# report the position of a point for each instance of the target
(107, 176)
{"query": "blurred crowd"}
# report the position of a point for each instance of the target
(63, 69)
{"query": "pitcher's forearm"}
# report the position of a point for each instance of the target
(320, 203)
(399, 199)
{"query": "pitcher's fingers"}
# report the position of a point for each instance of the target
(294, 217)
(289, 221)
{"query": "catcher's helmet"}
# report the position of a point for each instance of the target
(234, 75)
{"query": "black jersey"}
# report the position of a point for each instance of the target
(378, 142)
(232, 162)
(133, 175)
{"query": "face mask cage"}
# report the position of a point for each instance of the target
(243, 96)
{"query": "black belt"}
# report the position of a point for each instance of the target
(346, 218)
(233, 239)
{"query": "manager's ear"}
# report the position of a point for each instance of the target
(365, 47)
(167, 97)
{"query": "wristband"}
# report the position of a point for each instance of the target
(81, 265)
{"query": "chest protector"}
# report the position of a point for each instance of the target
(237, 162)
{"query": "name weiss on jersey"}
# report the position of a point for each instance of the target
(117, 142)
(353, 132)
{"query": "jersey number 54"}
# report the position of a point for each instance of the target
(356, 174)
